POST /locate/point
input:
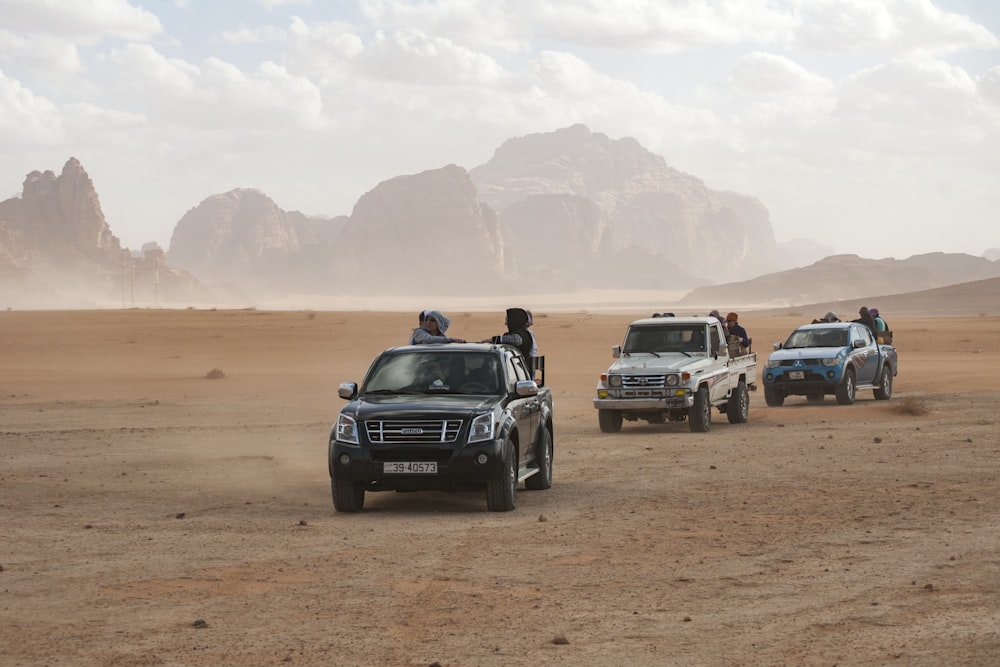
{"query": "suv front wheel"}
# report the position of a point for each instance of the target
(502, 489)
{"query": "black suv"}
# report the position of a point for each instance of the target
(456, 417)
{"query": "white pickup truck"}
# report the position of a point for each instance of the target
(675, 368)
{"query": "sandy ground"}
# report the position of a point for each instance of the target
(150, 515)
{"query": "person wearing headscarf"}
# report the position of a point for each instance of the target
(433, 329)
(420, 323)
(829, 317)
(865, 317)
(733, 328)
(718, 316)
(517, 333)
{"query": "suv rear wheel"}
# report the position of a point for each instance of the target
(542, 479)
(738, 408)
(884, 390)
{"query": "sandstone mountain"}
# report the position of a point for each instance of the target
(57, 250)
(842, 277)
(569, 209)
(421, 233)
(967, 299)
(573, 199)
(244, 246)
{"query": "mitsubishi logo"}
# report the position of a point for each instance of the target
(798, 362)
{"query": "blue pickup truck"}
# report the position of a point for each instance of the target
(836, 358)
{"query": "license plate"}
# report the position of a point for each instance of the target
(796, 375)
(410, 467)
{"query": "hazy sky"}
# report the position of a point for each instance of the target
(869, 125)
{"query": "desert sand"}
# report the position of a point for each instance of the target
(164, 500)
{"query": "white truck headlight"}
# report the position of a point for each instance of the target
(614, 380)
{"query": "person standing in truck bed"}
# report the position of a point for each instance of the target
(432, 330)
(517, 333)
(734, 329)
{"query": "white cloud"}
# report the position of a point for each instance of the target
(765, 73)
(912, 105)
(275, 4)
(989, 85)
(84, 22)
(651, 26)
(215, 95)
(26, 119)
(245, 35)
(892, 27)
(44, 53)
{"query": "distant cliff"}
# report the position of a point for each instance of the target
(554, 212)
(614, 204)
(57, 250)
(567, 209)
(423, 233)
(244, 246)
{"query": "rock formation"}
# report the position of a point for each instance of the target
(57, 250)
(241, 243)
(422, 233)
(617, 199)
(845, 277)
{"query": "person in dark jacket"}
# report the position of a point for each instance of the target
(517, 333)
(734, 328)
(865, 317)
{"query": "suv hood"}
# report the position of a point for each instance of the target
(650, 363)
(430, 406)
(806, 353)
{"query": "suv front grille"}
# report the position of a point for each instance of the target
(429, 431)
(644, 381)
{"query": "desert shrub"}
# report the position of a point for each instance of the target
(215, 374)
(912, 405)
(310, 315)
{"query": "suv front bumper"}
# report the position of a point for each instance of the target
(459, 467)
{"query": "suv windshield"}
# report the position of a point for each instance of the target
(435, 373)
(659, 338)
(817, 338)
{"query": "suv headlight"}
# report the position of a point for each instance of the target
(835, 361)
(772, 364)
(346, 430)
(673, 380)
(614, 380)
(481, 428)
